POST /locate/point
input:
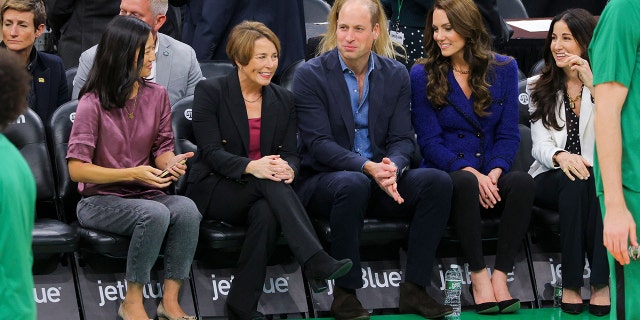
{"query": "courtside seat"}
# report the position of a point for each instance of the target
(213, 234)
(51, 236)
(285, 79)
(374, 231)
(215, 68)
(95, 241)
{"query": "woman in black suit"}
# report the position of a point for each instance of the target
(245, 128)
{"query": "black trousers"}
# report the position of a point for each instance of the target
(345, 197)
(580, 225)
(516, 192)
(262, 205)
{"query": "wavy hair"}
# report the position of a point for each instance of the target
(466, 20)
(115, 68)
(383, 46)
(552, 79)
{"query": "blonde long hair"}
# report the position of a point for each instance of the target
(383, 46)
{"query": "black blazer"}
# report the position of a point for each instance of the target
(49, 83)
(221, 130)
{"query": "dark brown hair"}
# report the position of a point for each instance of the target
(466, 20)
(544, 93)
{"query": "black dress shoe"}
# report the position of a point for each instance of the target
(346, 306)
(598, 310)
(414, 299)
(486, 307)
(571, 308)
(509, 306)
(321, 267)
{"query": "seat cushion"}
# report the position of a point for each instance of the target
(102, 242)
(374, 231)
(219, 235)
(53, 236)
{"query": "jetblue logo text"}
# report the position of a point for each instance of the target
(117, 291)
(221, 287)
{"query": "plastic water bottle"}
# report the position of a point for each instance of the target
(557, 293)
(453, 290)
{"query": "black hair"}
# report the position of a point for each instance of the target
(114, 70)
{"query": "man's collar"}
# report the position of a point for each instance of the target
(346, 68)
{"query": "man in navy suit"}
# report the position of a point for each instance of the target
(357, 143)
(22, 23)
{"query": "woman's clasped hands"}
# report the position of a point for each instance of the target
(271, 167)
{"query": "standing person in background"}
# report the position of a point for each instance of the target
(176, 67)
(563, 140)
(22, 23)
(120, 143)
(207, 25)
(78, 25)
(465, 113)
(17, 200)
(615, 59)
(407, 26)
(354, 118)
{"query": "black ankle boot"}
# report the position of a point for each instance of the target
(414, 299)
(321, 267)
(346, 306)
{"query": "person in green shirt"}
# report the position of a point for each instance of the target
(17, 199)
(615, 59)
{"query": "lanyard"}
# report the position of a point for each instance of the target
(397, 22)
(399, 9)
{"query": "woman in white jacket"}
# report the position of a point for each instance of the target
(563, 142)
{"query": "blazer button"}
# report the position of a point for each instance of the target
(478, 155)
(479, 134)
(460, 155)
(224, 141)
(460, 135)
(279, 147)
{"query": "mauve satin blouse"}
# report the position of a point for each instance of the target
(109, 138)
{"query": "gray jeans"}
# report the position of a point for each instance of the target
(147, 222)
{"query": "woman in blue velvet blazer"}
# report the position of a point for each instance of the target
(465, 113)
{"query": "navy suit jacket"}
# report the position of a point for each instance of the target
(325, 118)
(50, 85)
(221, 130)
(207, 25)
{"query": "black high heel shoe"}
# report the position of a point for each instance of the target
(571, 308)
(509, 306)
(486, 307)
(598, 310)
(322, 267)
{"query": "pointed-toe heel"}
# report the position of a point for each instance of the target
(571, 308)
(598, 310)
(486, 307)
(509, 306)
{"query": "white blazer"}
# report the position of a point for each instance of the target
(547, 141)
